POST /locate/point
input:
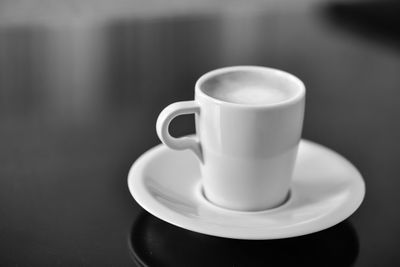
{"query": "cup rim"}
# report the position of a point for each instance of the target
(208, 75)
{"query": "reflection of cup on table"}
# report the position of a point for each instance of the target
(149, 239)
(248, 123)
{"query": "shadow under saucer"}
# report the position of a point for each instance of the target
(154, 242)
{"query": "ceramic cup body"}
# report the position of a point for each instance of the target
(247, 151)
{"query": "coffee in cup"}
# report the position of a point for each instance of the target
(248, 128)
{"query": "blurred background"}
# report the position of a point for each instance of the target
(82, 83)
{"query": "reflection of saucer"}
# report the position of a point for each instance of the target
(156, 243)
(326, 189)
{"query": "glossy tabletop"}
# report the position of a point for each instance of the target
(81, 86)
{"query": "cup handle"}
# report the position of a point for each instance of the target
(165, 118)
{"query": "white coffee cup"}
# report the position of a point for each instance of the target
(248, 123)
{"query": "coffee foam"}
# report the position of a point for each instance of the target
(246, 88)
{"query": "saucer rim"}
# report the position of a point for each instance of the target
(152, 206)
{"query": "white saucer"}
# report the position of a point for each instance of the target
(326, 189)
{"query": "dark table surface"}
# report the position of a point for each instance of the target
(80, 94)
